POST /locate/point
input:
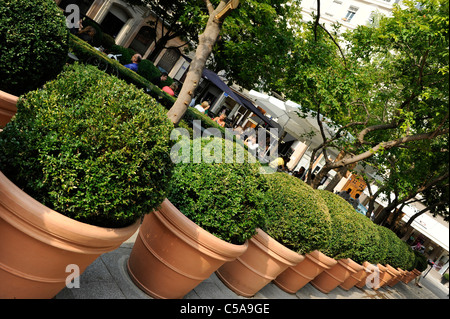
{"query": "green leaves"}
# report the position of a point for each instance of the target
(33, 44)
(295, 215)
(223, 198)
(91, 147)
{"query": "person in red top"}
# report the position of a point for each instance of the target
(170, 89)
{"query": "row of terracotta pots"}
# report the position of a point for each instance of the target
(172, 255)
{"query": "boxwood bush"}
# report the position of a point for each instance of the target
(295, 215)
(351, 236)
(91, 147)
(33, 44)
(224, 196)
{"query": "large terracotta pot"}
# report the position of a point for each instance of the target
(172, 254)
(393, 272)
(8, 107)
(387, 274)
(296, 277)
(369, 276)
(263, 261)
(37, 244)
(329, 279)
(360, 273)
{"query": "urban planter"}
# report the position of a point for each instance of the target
(394, 274)
(387, 274)
(368, 270)
(263, 261)
(8, 107)
(411, 275)
(38, 244)
(360, 273)
(397, 279)
(329, 279)
(296, 277)
(172, 254)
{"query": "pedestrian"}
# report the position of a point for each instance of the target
(220, 119)
(356, 202)
(87, 34)
(135, 60)
(170, 89)
(203, 108)
(345, 194)
(160, 79)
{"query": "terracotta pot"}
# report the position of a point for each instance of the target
(294, 278)
(408, 277)
(394, 274)
(37, 244)
(397, 279)
(263, 261)
(172, 254)
(388, 274)
(354, 278)
(414, 274)
(8, 107)
(329, 279)
(369, 270)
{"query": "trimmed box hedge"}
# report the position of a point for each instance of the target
(91, 147)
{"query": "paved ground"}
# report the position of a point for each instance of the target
(107, 278)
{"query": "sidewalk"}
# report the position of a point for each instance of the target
(107, 278)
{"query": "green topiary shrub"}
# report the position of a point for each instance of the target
(420, 261)
(295, 215)
(148, 70)
(350, 234)
(223, 196)
(91, 147)
(126, 53)
(33, 44)
(398, 253)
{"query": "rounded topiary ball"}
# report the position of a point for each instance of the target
(33, 44)
(217, 191)
(295, 215)
(91, 147)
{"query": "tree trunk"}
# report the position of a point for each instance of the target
(205, 46)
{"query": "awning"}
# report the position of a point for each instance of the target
(217, 81)
(428, 226)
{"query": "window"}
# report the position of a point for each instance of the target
(350, 13)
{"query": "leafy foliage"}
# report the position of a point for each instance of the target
(357, 237)
(91, 147)
(33, 44)
(224, 196)
(295, 215)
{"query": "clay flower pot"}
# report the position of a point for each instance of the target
(411, 275)
(263, 261)
(172, 254)
(37, 244)
(296, 277)
(369, 276)
(394, 274)
(329, 279)
(387, 274)
(397, 279)
(354, 278)
(8, 107)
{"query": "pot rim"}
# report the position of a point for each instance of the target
(275, 249)
(196, 236)
(38, 221)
